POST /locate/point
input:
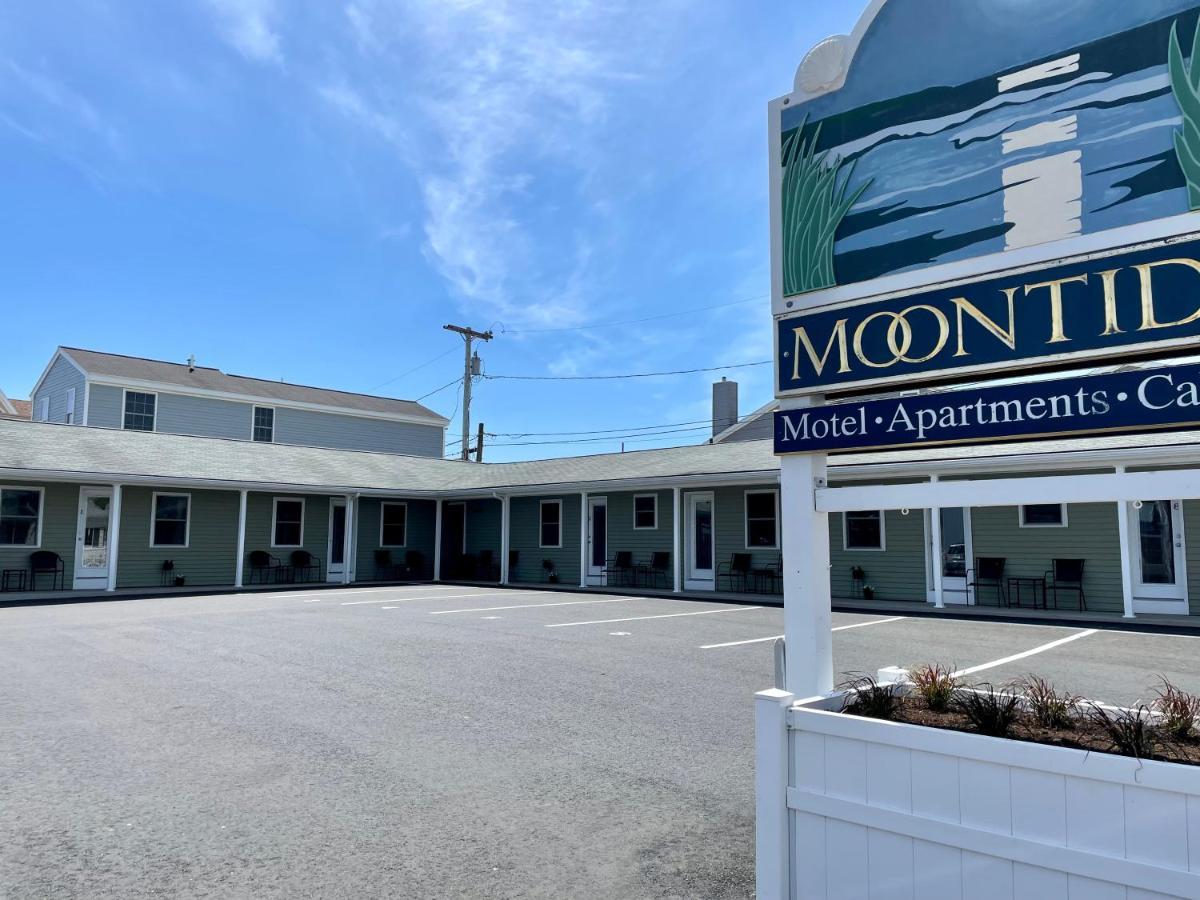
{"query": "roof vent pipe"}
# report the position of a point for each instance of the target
(192, 363)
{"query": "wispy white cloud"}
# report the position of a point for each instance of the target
(250, 27)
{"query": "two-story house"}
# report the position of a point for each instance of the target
(106, 390)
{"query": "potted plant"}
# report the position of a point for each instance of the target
(868, 592)
(179, 580)
(937, 784)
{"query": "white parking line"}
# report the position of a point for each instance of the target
(707, 612)
(1016, 656)
(450, 612)
(776, 637)
(432, 597)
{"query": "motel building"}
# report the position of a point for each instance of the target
(149, 486)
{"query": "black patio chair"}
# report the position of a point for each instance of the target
(268, 568)
(488, 568)
(1066, 575)
(303, 565)
(549, 572)
(989, 573)
(736, 569)
(659, 567)
(858, 581)
(47, 562)
(166, 575)
(386, 568)
(620, 566)
(414, 564)
(767, 578)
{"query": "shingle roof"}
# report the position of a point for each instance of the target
(99, 453)
(112, 365)
(22, 409)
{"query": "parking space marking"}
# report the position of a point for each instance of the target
(1018, 656)
(432, 597)
(450, 612)
(776, 637)
(706, 612)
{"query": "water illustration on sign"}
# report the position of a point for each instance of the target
(958, 154)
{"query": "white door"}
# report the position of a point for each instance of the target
(336, 552)
(1157, 555)
(955, 555)
(91, 539)
(597, 539)
(700, 550)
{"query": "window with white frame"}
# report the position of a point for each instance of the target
(1044, 515)
(139, 411)
(264, 424)
(20, 517)
(70, 417)
(172, 520)
(645, 512)
(863, 530)
(762, 519)
(43, 410)
(550, 524)
(287, 523)
(393, 524)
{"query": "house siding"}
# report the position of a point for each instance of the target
(259, 508)
(420, 530)
(316, 429)
(1090, 534)
(483, 527)
(204, 416)
(211, 555)
(896, 573)
(525, 525)
(60, 507)
(62, 377)
(1191, 543)
(104, 406)
(642, 543)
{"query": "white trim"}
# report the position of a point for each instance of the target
(87, 402)
(81, 577)
(69, 417)
(591, 570)
(338, 575)
(541, 524)
(383, 506)
(41, 491)
(138, 384)
(125, 392)
(114, 534)
(275, 501)
(691, 581)
(882, 532)
(1157, 598)
(187, 527)
(254, 408)
(58, 352)
(636, 526)
(1021, 523)
(746, 519)
(239, 568)
(6, 405)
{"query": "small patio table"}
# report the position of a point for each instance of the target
(1034, 585)
(13, 580)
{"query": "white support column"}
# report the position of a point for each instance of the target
(114, 537)
(807, 613)
(583, 539)
(352, 559)
(505, 536)
(1126, 553)
(935, 556)
(772, 853)
(347, 538)
(240, 566)
(677, 539)
(437, 542)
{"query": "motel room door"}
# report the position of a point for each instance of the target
(454, 539)
(597, 539)
(701, 553)
(337, 541)
(91, 538)
(955, 555)
(1158, 557)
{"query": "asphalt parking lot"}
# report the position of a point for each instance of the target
(431, 741)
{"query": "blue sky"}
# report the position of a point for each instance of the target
(309, 191)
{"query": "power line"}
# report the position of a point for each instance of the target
(428, 362)
(628, 438)
(764, 362)
(670, 315)
(627, 429)
(439, 390)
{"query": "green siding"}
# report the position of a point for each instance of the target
(642, 543)
(896, 573)
(316, 527)
(1091, 534)
(483, 527)
(60, 506)
(1191, 543)
(730, 527)
(210, 557)
(421, 527)
(524, 522)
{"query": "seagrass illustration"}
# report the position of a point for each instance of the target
(816, 198)
(1185, 82)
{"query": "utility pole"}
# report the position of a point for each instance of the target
(471, 368)
(479, 445)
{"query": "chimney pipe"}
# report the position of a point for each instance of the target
(192, 363)
(724, 405)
